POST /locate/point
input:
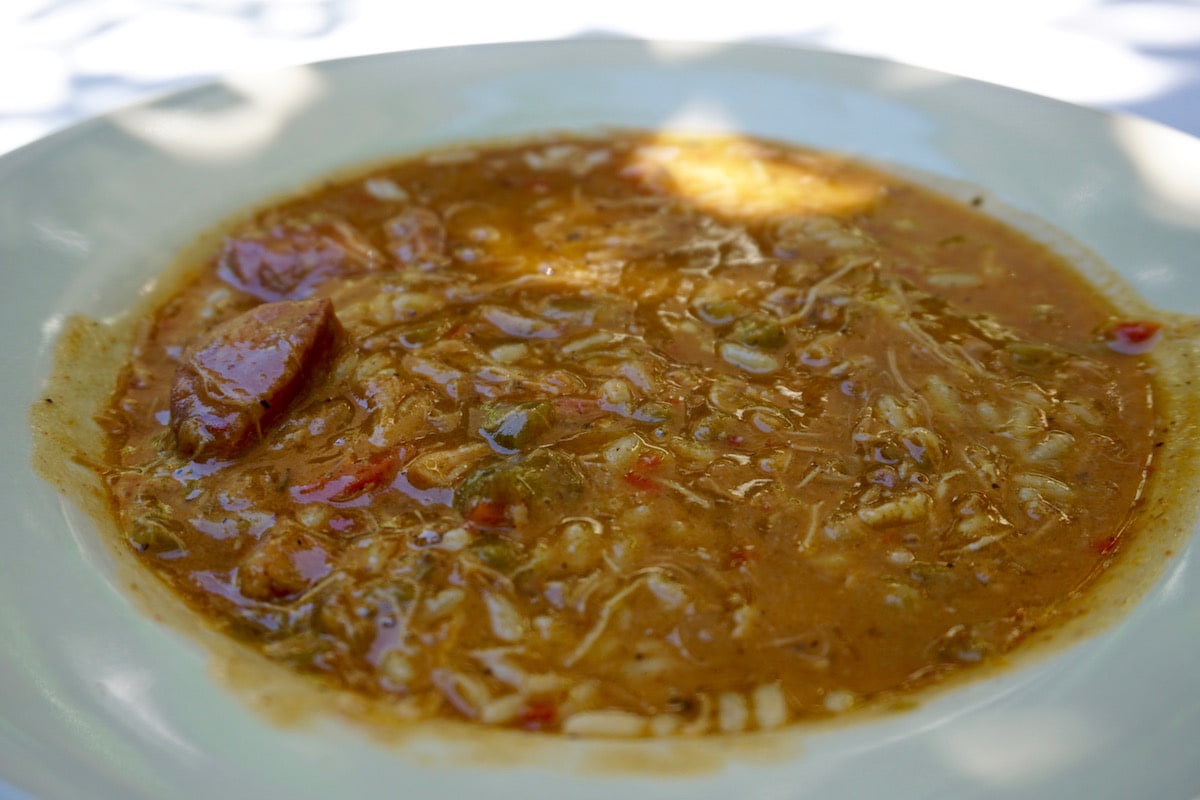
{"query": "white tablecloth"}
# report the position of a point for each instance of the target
(63, 60)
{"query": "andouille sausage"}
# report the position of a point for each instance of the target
(287, 259)
(239, 376)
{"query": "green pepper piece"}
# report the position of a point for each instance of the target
(496, 552)
(758, 330)
(512, 428)
(538, 482)
(654, 411)
(1027, 356)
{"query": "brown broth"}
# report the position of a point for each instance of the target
(640, 435)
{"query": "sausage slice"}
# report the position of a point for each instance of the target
(287, 259)
(232, 383)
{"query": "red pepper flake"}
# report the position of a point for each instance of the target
(352, 480)
(488, 514)
(641, 482)
(1106, 545)
(734, 440)
(538, 714)
(742, 554)
(650, 460)
(372, 474)
(1134, 337)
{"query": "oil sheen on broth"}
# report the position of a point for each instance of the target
(630, 435)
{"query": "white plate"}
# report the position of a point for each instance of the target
(98, 701)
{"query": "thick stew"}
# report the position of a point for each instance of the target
(630, 435)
